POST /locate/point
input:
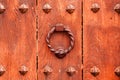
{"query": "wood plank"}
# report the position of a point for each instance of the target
(18, 40)
(101, 40)
(58, 14)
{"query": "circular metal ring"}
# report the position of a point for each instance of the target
(60, 53)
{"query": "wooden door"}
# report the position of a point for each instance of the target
(52, 14)
(59, 39)
(101, 39)
(17, 40)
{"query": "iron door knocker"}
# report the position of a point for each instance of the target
(60, 53)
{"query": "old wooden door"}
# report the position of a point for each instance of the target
(59, 40)
(17, 40)
(101, 39)
(59, 30)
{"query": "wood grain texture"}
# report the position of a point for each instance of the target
(58, 14)
(101, 32)
(18, 40)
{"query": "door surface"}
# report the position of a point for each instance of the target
(17, 40)
(59, 39)
(101, 40)
(59, 17)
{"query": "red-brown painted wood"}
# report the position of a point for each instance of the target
(99, 38)
(101, 42)
(18, 40)
(58, 14)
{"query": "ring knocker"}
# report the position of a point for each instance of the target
(60, 53)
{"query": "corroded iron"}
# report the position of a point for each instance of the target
(70, 8)
(47, 70)
(2, 70)
(94, 71)
(23, 70)
(71, 71)
(117, 71)
(23, 8)
(95, 7)
(61, 52)
(47, 8)
(117, 8)
(2, 8)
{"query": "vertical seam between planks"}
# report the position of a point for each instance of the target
(82, 37)
(36, 38)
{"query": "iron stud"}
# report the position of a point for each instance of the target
(47, 8)
(94, 71)
(95, 7)
(47, 70)
(117, 8)
(70, 9)
(2, 8)
(23, 70)
(2, 70)
(117, 71)
(23, 8)
(71, 71)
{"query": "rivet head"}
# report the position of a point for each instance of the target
(47, 70)
(23, 70)
(2, 70)
(2, 8)
(71, 71)
(95, 7)
(117, 71)
(117, 8)
(94, 71)
(23, 8)
(47, 8)
(70, 9)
